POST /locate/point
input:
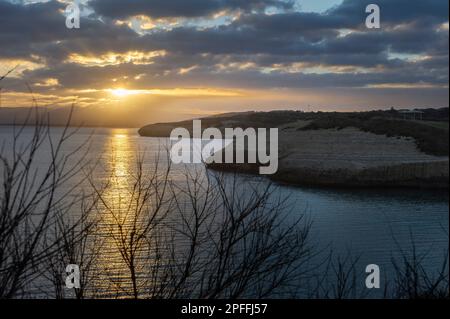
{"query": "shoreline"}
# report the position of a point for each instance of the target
(298, 179)
(342, 150)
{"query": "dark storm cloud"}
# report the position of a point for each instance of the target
(23, 25)
(39, 29)
(359, 48)
(270, 44)
(312, 33)
(156, 76)
(40, 26)
(395, 12)
(116, 9)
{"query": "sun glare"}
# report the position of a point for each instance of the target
(192, 92)
(120, 92)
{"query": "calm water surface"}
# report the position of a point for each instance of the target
(373, 225)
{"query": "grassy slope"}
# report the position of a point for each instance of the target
(431, 138)
(431, 134)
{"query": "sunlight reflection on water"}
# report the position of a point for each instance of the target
(372, 223)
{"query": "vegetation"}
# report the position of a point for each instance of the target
(431, 134)
(203, 238)
(207, 237)
(199, 239)
(430, 139)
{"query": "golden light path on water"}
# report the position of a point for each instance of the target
(123, 212)
(116, 216)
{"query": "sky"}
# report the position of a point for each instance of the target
(164, 60)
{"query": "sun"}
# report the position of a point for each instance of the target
(120, 92)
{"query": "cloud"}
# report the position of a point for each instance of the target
(255, 49)
(39, 29)
(116, 9)
(395, 12)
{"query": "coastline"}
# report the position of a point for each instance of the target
(342, 157)
(400, 176)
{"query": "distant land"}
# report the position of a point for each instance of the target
(394, 148)
(58, 116)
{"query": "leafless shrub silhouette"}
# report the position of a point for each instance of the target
(204, 237)
(240, 243)
(338, 278)
(79, 244)
(133, 209)
(33, 195)
(412, 280)
(208, 235)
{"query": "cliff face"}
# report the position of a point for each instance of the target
(418, 175)
(351, 158)
(343, 149)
